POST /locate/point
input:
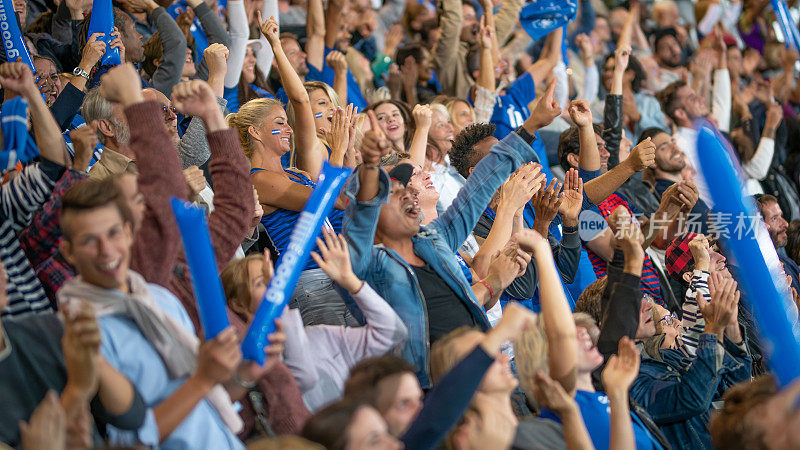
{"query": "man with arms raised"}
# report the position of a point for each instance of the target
(414, 267)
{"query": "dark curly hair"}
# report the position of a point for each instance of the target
(569, 143)
(462, 154)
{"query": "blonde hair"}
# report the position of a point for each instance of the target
(443, 355)
(451, 105)
(311, 86)
(236, 283)
(441, 109)
(530, 356)
(251, 114)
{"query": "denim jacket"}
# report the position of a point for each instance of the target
(435, 243)
(677, 390)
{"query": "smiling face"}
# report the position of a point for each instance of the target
(462, 116)
(647, 326)
(170, 116)
(249, 66)
(322, 106)
(296, 56)
(422, 184)
(692, 104)
(401, 216)
(441, 131)
(469, 24)
(276, 133)
(776, 224)
(666, 324)
(589, 358)
(668, 52)
(189, 70)
(99, 246)
(669, 158)
(52, 83)
(391, 121)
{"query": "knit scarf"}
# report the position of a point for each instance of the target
(176, 345)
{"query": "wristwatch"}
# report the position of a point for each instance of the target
(78, 72)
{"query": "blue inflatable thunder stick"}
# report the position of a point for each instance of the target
(203, 266)
(766, 290)
(291, 262)
(102, 21)
(791, 36)
(12, 38)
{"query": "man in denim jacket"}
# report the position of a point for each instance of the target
(402, 246)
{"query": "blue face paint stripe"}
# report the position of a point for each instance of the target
(274, 132)
(318, 115)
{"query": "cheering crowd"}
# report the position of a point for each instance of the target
(526, 254)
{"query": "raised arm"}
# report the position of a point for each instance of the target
(315, 34)
(506, 18)
(383, 329)
(422, 119)
(620, 371)
(367, 189)
(556, 314)
(239, 32)
(168, 73)
(160, 177)
(450, 30)
(551, 54)
(641, 157)
(230, 219)
(333, 19)
(514, 194)
(446, 402)
(17, 77)
(487, 57)
(504, 158)
(309, 151)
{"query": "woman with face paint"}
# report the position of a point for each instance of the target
(265, 135)
(334, 123)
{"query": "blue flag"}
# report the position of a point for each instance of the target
(540, 17)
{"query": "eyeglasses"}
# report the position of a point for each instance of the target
(52, 78)
(168, 109)
(669, 320)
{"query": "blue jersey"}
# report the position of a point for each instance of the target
(511, 110)
(597, 417)
(325, 75)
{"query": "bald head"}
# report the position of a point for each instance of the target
(170, 115)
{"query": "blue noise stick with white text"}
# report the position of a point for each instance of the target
(293, 260)
(767, 293)
(203, 266)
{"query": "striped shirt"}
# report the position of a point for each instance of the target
(650, 283)
(19, 200)
(692, 322)
(280, 223)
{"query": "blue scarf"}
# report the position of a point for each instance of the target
(18, 145)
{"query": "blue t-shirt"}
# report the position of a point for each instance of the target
(325, 75)
(511, 110)
(597, 416)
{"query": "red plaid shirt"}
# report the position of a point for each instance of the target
(41, 239)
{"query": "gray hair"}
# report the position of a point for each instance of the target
(96, 107)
